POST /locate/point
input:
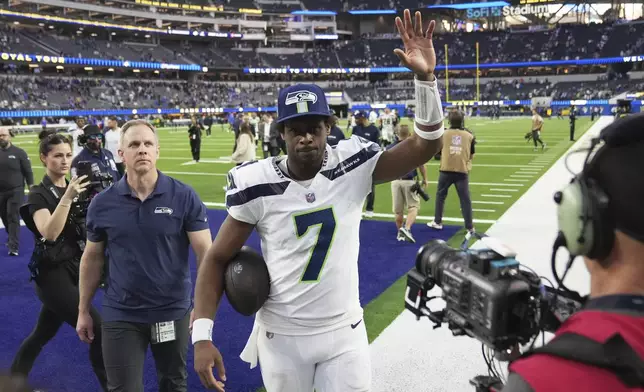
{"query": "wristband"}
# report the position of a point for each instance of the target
(429, 110)
(433, 135)
(202, 330)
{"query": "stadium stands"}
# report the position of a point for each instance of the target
(563, 43)
(41, 92)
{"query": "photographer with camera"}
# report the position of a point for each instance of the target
(93, 153)
(406, 191)
(456, 163)
(601, 218)
(490, 296)
(51, 214)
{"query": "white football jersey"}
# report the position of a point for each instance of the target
(388, 125)
(309, 235)
(76, 149)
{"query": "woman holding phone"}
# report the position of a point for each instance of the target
(51, 214)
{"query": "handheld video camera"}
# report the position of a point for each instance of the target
(99, 181)
(488, 297)
(419, 190)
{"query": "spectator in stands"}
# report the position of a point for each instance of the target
(335, 134)
(368, 131)
(404, 197)
(112, 137)
(15, 173)
(245, 150)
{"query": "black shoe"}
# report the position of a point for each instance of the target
(13, 253)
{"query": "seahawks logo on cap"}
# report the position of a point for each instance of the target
(300, 96)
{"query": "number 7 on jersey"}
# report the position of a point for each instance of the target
(325, 219)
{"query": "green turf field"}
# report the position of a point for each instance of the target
(504, 167)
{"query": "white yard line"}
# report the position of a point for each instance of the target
(504, 190)
(515, 180)
(487, 202)
(482, 210)
(499, 196)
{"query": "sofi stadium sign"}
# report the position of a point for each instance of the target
(507, 11)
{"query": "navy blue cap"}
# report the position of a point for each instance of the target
(360, 114)
(301, 100)
(91, 130)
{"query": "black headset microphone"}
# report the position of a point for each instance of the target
(586, 227)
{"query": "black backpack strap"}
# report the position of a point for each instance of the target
(615, 355)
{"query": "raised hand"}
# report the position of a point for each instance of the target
(75, 187)
(419, 55)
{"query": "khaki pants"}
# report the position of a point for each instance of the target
(402, 196)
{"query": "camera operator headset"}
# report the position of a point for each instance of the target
(52, 215)
(601, 217)
(406, 191)
(456, 163)
(92, 152)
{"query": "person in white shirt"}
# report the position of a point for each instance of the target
(245, 149)
(75, 134)
(387, 122)
(112, 138)
(373, 117)
(352, 121)
(254, 122)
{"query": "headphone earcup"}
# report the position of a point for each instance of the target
(602, 224)
(572, 216)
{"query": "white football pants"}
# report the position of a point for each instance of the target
(336, 361)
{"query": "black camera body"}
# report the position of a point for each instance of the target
(488, 297)
(419, 190)
(99, 181)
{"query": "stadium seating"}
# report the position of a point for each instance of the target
(41, 92)
(563, 43)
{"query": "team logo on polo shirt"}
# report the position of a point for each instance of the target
(163, 210)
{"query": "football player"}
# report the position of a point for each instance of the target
(387, 120)
(306, 208)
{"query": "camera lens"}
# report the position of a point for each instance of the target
(435, 256)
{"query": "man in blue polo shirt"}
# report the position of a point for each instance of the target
(367, 130)
(144, 224)
(93, 152)
(335, 134)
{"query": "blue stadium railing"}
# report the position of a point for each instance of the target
(603, 104)
(93, 62)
